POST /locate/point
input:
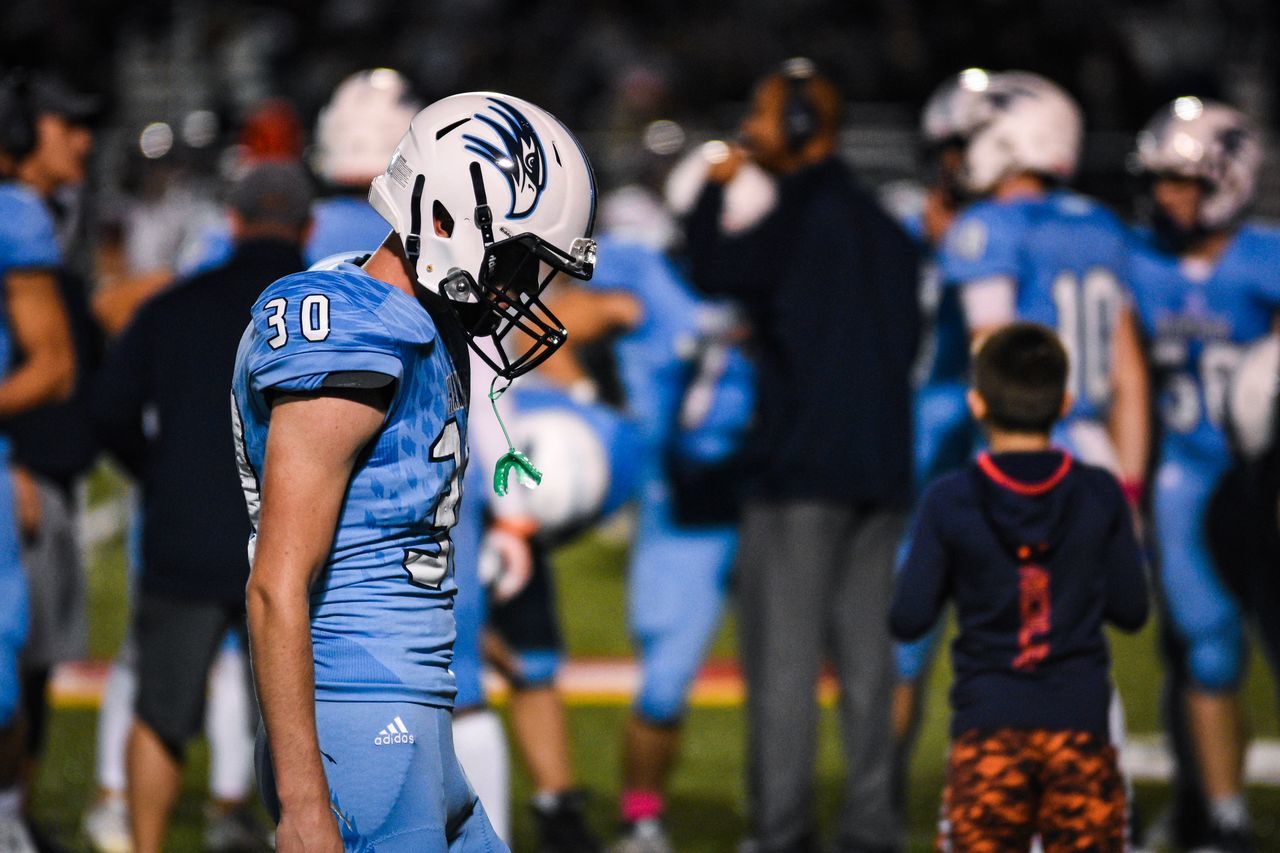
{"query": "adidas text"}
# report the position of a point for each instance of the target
(394, 733)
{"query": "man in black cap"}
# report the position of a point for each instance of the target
(161, 408)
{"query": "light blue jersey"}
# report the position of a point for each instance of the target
(1198, 327)
(672, 616)
(338, 224)
(382, 622)
(1198, 322)
(344, 223)
(27, 242)
(1068, 259)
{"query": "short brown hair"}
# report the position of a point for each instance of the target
(1021, 374)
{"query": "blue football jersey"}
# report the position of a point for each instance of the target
(344, 224)
(1198, 327)
(27, 241)
(1068, 258)
(382, 623)
(654, 358)
(338, 224)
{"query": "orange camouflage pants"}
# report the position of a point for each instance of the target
(1006, 787)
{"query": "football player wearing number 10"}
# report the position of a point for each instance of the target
(1205, 285)
(350, 414)
(1031, 250)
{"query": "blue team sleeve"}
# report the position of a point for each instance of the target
(980, 243)
(921, 583)
(27, 239)
(339, 336)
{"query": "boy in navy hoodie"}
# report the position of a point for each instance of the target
(1038, 551)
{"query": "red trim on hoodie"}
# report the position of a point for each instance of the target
(988, 466)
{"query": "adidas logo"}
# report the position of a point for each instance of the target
(395, 732)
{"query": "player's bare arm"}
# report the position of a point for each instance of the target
(312, 448)
(43, 336)
(1129, 422)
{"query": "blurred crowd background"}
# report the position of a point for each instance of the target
(610, 68)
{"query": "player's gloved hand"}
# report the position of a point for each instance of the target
(308, 829)
(506, 559)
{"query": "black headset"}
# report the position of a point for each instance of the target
(799, 115)
(17, 116)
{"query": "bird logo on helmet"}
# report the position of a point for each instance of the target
(1209, 142)
(1022, 123)
(520, 159)
(492, 264)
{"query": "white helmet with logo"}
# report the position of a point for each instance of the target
(952, 112)
(361, 125)
(1208, 141)
(1022, 123)
(491, 197)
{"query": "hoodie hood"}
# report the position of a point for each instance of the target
(1025, 496)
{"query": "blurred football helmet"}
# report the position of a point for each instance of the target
(1021, 122)
(361, 125)
(588, 455)
(1211, 142)
(1252, 397)
(951, 114)
(492, 197)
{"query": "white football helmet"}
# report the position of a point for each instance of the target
(361, 125)
(491, 197)
(952, 112)
(1211, 142)
(1022, 122)
(575, 466)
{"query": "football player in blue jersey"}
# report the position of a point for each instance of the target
(1206, 284)
(1029, 249)
(350, 414)
(34, 324)
(691, 396)
(944, 434)
(355, 133)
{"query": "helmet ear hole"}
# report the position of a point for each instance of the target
(441, 219)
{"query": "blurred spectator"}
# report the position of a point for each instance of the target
(44, 141)
(829, 282)
(53, 444)
(161, 408)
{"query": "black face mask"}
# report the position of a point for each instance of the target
(505, 302)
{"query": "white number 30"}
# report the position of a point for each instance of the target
(313, 319)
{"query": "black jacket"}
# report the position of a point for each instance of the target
(829, 281)
(1038, 552)
(162, 408)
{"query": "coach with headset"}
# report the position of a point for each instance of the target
(829, 282)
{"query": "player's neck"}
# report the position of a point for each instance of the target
(1004, 441)
(1210, 247)
(389, 264)
(1022, 185)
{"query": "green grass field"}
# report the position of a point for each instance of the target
(706, 805)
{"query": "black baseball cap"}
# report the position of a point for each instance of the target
(50, 94)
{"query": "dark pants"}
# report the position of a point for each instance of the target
(177, 642)
(814, 583)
